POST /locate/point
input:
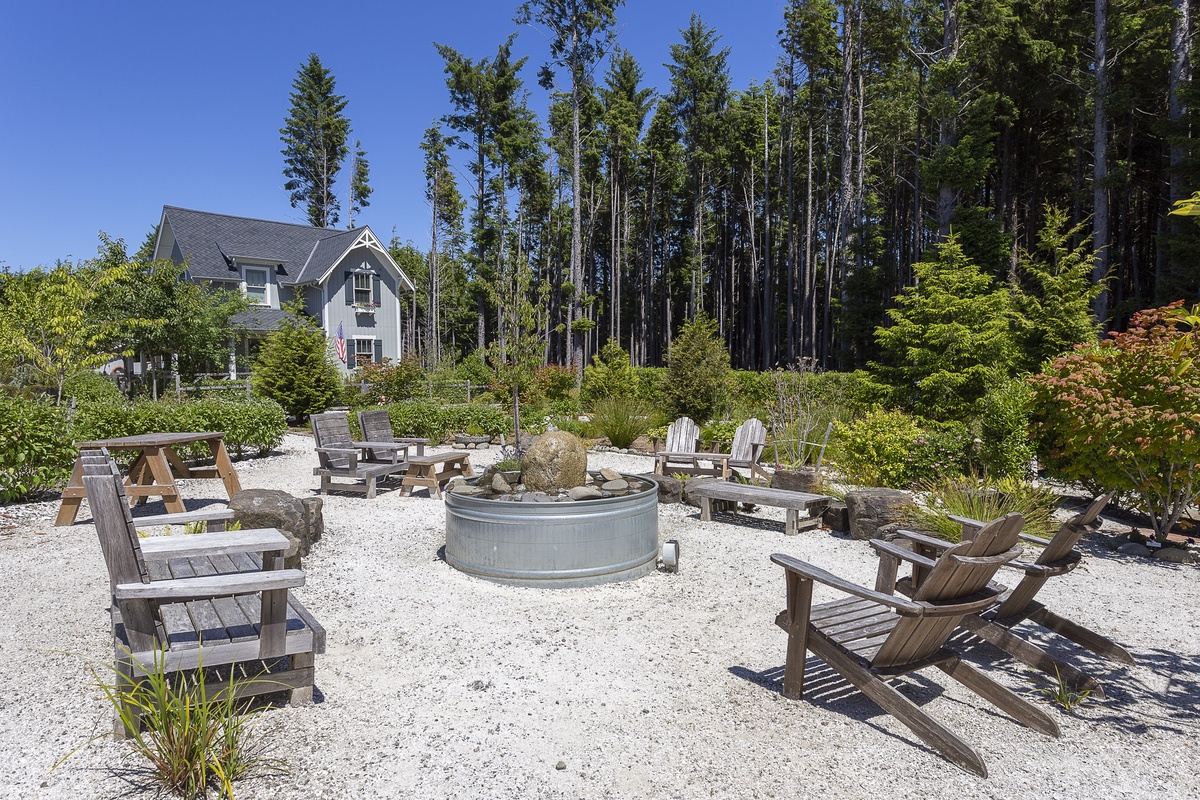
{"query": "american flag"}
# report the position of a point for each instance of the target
(340, 344)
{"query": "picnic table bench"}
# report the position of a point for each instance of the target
(155, 469)
(431, 471)
(793, 502)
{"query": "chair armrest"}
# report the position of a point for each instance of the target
(350, 453)
(1038, 540)
(209, 586)
(184, 517)
(261, 540)
(905, 607)
(901, 553)
(966, 521)
(941, 545)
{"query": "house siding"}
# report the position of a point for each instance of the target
(383, 324)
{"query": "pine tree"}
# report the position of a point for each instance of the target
(295, 369)
(360, 186)
(314, 143)
(949, 338)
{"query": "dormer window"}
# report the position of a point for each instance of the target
(256, 286)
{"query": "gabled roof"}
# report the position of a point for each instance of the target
(212, 243)
(258, 318)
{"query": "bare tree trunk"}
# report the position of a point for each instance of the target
(948, 126)
(1100, 235)
(845, 229)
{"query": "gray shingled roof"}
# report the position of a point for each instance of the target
(258, 318)
(210, 242)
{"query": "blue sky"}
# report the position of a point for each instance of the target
(110, 110)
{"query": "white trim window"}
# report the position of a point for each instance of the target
(364, 350)
(364, 292)
(257, 284)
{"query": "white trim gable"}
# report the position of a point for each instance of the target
(368, 240)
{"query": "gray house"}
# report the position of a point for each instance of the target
(347, 279)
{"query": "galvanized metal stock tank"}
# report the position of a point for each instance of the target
(557, 545)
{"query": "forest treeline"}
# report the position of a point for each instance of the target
(792, 211)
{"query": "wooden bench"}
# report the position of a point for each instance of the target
(794, 502)
(423, 471)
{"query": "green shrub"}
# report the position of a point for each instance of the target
(388, 382)
(1005, 446)
(255, 424)
(432, 421)
(621, 419)
(35, 448)
(718, 434)
(751, 394)
(697, 371)
(609, 375)
(891, 448)
(91, 387)
(294, 368)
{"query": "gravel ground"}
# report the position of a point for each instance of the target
(436, 684)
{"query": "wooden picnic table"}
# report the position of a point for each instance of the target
(794, 502)
(433, 470)
(154, 470)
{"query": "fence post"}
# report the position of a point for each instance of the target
(247, 387)
(468, 392)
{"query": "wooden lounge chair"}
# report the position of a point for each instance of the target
(1017, 604)
(679, 451)
(748, 443)
(875, 635)
(189, 600)
(339, 457)
(376, 427)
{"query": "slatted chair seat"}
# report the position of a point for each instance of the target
(339, 457)
(217, 599)
(873, 635)
(1017, 604)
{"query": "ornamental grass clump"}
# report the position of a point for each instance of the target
(622, 420)
(1125, 414)
(984, 500)
(196, 740)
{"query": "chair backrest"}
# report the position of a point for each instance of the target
(115, 528)
(332, 429)
(961, 572)
(1069, 534)
(376, 426)
(683, 436)
(749, 441)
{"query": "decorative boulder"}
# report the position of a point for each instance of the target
(692, 483)
(805, 479)
(869, 509)
(556, 460)
(301, 520)
(836, 516)
(670, 490)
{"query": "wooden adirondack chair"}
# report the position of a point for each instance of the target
(679, 451)
(875, 635)
(1017, 604)
(189, 599)
(748, 443)
(339, 457)
(376, 427)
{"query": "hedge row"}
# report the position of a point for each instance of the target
(420, 418)
(36, 439)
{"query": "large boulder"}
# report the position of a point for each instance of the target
(301, 519)
(805, 479)
(836, 516)
(870, 509)
(691, 483)
(556, 460)
(670, 489)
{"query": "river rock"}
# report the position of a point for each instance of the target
(871, 508)
(617, 485)
(500, 485)
(1175, 554)
(585, 493)
(1135, 549)
(610, 474)
(467, 489)
(556, 460)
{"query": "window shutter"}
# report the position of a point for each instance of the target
(379, 351)
(349, 288)
(377, 290)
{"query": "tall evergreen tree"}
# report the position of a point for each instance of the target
(314, 143)
(360, 186)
